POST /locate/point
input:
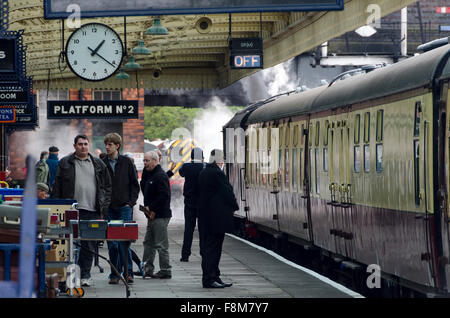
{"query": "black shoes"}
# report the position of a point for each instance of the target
(161, 275)
(218, 284)
(214, 285)
(184, 259)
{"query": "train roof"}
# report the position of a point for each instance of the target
(414, 72)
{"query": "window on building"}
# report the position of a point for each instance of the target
(107, 95)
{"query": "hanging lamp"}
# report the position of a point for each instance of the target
(132, 65)
(140, 49)
(157, 28)
(122, 75)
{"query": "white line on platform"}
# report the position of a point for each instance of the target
(306, 270)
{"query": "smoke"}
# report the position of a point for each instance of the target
(208, 125)
(53, 132)
(272, 81)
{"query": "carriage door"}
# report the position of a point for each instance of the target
(445, 97)
(334, 218)
(345, 187)
(307, 176)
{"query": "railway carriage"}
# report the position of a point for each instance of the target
(362, 169)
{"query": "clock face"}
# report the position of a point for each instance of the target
(94, 52)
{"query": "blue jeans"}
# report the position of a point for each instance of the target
(118, 250)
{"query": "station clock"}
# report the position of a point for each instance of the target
(94, 52)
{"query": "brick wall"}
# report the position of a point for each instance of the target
(133, 129)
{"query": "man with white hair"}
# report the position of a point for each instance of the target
(156, 190)
(217, 204)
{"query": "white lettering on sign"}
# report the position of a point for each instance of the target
(2, 54)
(92, 109)
(8, 96)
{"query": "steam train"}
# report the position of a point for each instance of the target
(361, 171)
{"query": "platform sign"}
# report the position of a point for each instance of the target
(57, 9)
(7, 114)
(111, 109)
(18, 95)
(246, 53)
(13, 92)
(7, 55)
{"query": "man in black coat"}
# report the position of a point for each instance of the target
(217, 204)
(125, 192)
(156, 191)
(190, 172)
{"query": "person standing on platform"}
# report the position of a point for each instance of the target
(84, 178)
(217, 204)
(156, 191)
(42, 171)
(190, 172)
(125, 192)
(52, 163)
(42, 191)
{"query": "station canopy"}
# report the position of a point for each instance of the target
(195, 52)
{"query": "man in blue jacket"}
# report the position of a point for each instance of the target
(52, 162)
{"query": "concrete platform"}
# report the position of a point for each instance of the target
(254, 272)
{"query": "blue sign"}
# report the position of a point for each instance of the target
(7, 114)
(62, 9)
(246, 61)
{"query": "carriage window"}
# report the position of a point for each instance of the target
(380, 125)
(325, 159)
(316, 139)
(357, 159)
(366, 127)
(325, 135)
(286, 169)
(379, 157)
(356, 133)
(366, 158)
(287, 131)
(417, 112)
(295, 141)
(416, 172)
(300, 169)
(279, 167)
(309, 169)
(294, 169)
(316, 169)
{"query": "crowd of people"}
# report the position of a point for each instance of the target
(106, 186)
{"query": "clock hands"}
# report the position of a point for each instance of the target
(94, 52)
(97, 48)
